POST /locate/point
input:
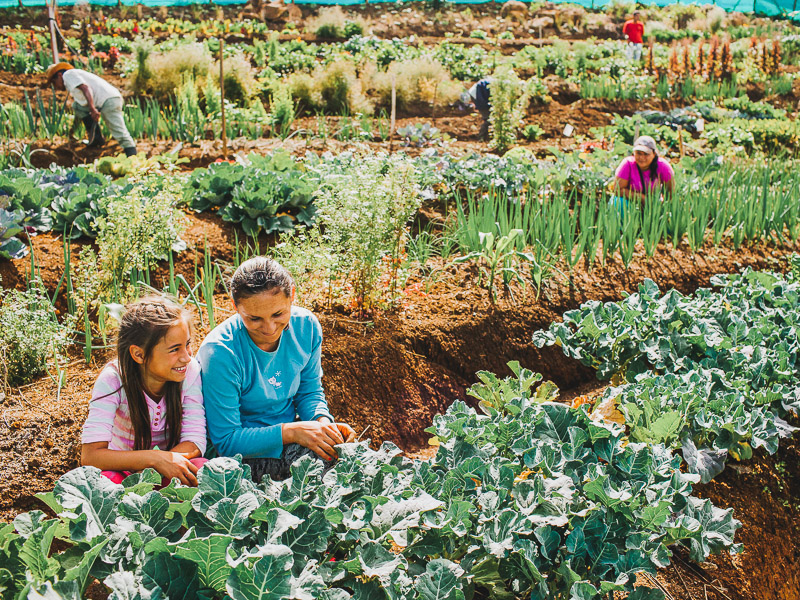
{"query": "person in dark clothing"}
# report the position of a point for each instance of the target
(480, 95)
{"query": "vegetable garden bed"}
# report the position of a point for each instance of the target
(426, 356)
(425, 267)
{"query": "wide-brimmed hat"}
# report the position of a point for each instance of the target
(645, 143)
(55, 69)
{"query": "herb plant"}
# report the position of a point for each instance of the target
(31, 335)
(509, 100)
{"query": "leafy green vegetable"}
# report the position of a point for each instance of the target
(271, 193)
(11, 224)
(714, 374)
(527, 499)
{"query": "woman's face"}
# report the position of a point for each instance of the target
(643, 159)
(58, 81)
(265, 316)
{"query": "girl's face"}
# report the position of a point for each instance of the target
(168, 359)
(265, 316)
(643, 159)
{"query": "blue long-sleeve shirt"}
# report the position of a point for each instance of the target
(248, 393)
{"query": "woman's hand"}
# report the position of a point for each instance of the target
(314, 435)
(175, 464)
(623, 188)
(347, 432)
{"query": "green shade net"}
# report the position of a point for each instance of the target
(772, 8)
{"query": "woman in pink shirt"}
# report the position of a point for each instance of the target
(147, 405)
(645, 173)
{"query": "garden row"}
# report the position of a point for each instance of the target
(343, 224)
(177, 87)
(714, 375)
(276, 192)
(725, 126)
(525, 497)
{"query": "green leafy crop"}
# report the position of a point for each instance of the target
(271, 193)
(714, 374)
(528, 499)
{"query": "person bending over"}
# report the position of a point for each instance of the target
(262, 376)
(480, 97)
(93, 96)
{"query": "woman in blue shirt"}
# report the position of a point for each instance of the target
(262, 376)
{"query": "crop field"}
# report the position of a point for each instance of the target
(554, 397)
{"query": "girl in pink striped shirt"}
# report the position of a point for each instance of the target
(147, 405)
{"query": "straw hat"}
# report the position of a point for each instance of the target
(55, 69)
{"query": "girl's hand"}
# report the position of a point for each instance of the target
(175, 464)
(314, 435)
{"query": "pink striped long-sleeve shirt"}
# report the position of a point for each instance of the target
(109, 417)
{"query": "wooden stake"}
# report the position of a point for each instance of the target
(139, 11)
(222, 101)
(433, 108)
(394, 111)
(680, 139)
(51, 16)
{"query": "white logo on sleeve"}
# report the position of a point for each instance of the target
(273, 381)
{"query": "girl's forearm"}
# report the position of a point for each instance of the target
(118, 460)
(190, 449)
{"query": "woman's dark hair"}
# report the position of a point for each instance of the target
(258, 275)
(654, 167)
(144, 324)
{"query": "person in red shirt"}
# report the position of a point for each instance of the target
(633, 30)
